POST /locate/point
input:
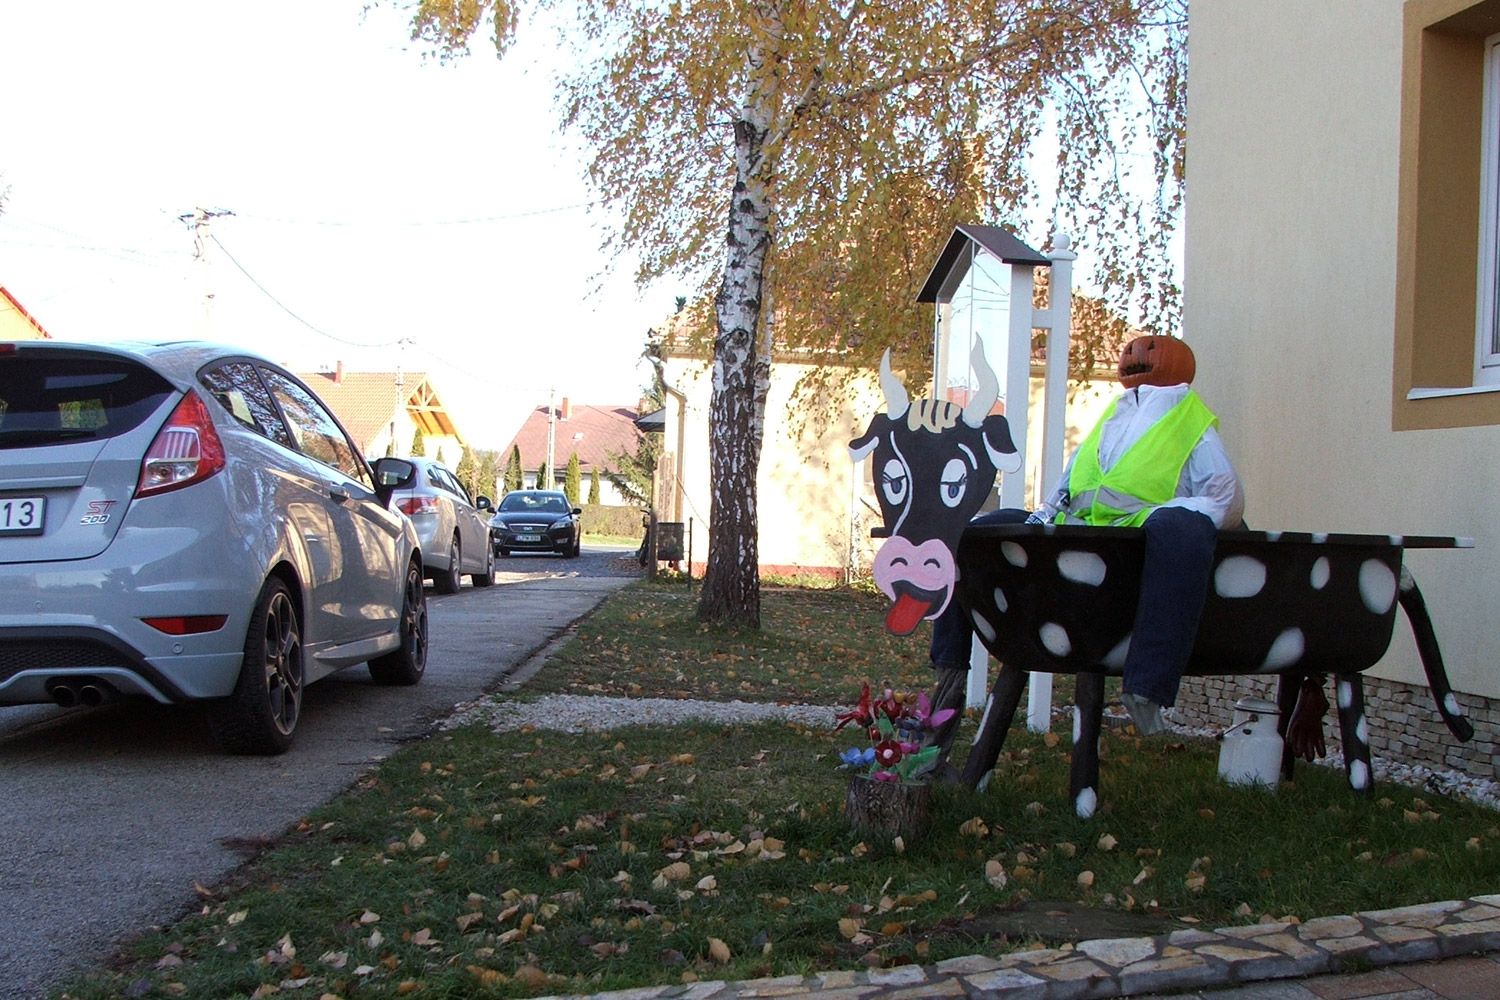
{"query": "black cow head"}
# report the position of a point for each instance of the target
(935, 462)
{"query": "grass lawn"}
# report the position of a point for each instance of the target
(534, 862)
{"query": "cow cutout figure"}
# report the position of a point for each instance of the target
(1062, 598)
(918, 446)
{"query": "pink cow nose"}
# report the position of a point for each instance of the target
(917, 578)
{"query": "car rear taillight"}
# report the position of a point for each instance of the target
(186, 450)
(187, 624)
(417, 505)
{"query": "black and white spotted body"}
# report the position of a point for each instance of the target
(1062, 600)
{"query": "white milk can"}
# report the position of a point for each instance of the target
(1250, 751)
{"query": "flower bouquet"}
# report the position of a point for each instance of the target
(886, 792)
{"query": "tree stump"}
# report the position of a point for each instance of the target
(887, 808)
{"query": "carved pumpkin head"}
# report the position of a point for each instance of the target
(1156, 361)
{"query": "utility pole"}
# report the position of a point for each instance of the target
(401, 396)
(551, 439)
(199, 219)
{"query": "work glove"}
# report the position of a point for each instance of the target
(1304, 733)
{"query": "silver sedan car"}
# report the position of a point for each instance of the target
(189, 523)
(452, 528)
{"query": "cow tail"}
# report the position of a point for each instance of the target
(1432, 658)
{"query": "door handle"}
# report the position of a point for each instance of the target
(338, 492)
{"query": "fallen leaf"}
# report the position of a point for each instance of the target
(994, 874)
(975, 827)
(718, 950)
(1107, 842)
(416, 840)
(369, 917)
(849, 927)
(486, 977)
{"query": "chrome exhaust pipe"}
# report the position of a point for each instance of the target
(93, 695)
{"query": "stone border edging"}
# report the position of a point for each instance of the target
(1118, 967)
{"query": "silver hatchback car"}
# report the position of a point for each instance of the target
(185, 522)
(452, 528)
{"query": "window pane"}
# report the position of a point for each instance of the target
(238, 389)
(318, 434)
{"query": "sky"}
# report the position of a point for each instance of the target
(369, 207)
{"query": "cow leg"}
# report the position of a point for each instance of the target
(998, 716)
(1287, 688)
(1354, 731)
(1432, 658)
(1088, 714)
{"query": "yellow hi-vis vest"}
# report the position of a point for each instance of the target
(1145, 477)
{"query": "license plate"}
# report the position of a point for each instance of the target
(528, 538)
(22, 515)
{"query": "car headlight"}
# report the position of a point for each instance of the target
(563, 522)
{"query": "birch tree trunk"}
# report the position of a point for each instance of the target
(730, 594)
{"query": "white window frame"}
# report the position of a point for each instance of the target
(1487, 302)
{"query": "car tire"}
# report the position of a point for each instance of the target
(406, 664)
(487, 577)
(575, 548)
(448, 581)
(261, 716)
(505, 552)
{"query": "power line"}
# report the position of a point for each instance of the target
(421, 223)
(285, 308)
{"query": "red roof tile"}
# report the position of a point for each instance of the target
(604, 429)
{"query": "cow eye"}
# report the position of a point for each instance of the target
(955, 479)
(893, 482)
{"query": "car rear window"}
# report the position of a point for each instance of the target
(47, 399)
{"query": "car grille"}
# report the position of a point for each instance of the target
(38, 654)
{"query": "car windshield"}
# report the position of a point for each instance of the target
(533, 503)
(46, 399)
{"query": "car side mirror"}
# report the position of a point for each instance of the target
(483, 503)
(392, 474)
(578, 510)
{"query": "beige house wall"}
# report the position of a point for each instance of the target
(816, 507)
(1292, 252)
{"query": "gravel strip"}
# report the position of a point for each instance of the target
(578, 713)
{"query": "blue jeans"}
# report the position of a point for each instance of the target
(1174, 584)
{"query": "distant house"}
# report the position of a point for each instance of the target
(16, 323)
(384, 410)
(594, 433)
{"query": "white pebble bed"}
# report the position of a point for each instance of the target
(596, 713)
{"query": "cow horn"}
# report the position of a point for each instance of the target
(896, 399)
(988, 391)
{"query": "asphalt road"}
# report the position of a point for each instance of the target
(111, 814)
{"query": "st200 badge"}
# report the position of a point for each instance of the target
(98, 512)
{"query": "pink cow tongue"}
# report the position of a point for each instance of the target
(904, 615)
